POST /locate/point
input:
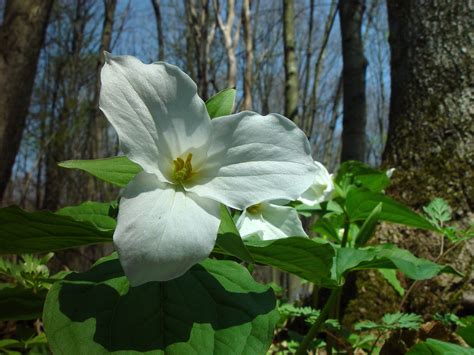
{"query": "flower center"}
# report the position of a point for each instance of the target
(183, 169)
(255, 209)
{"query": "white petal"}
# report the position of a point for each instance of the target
(162, 232)
(273, 222)
(253, 158)
(156, 112)
(322, 188)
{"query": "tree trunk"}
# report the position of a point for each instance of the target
(354, 67)
(430, 144)
(230, 38)
(291, 71)
(22, 35)
(99, 122)
(159, 29)
(430, 138)
(248, 39)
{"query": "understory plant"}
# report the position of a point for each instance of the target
(206, 195)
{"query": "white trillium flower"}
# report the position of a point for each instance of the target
(169, 214)
(321, 189)
(270, 221)
(390, 172)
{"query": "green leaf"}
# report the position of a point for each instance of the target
(391, 276)
(229, 239)
(466, 331)
(303, 257)
(437, 347)
(386, 256)
(215, 308)
(325, 227)
(362, 175)
(24, 232)
(392, 321)
(96, 213)
(116, 170)
(360, 204)
(222, 103)
(368, 228)
(18, 303)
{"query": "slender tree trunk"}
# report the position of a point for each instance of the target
(159, 29)
(354, 68)
(248, 39)
(99, 122)
(230, 37)
(307, 71)
(291, 72)
(318, 68)
(21, 35)
(202, 32)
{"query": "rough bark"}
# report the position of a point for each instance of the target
(22, 35)
(291, 68)
(159, 29)
(430, 141)
(354, 67)
(248, 40)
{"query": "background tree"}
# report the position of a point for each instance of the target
(21, 34)
(354, 68)
(291, 76)
(430, 139)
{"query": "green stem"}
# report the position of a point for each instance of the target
(345, 236)
(316, 327)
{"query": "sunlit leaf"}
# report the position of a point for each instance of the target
(222, 103)
(215, 308)
(116, 170)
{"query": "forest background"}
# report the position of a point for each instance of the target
(387, 83)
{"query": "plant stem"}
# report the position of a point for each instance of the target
(316, 327)
(345, 236)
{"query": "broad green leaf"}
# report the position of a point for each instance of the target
(222, 103)
(391, 276)
(438, 347)
(386, 256)
(18, 303)
(24, 232)
(215, 308)
(466, 331)
(325, 227)
(116, 170)
(363, 176)
(303, 257)
(368, 228)
(96, 213)
(229, 239)
(360, 204)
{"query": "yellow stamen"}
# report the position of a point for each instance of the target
(183, 170)
(255, 209)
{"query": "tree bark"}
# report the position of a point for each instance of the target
(99, 122)
(21, 34)
(430, 144)
(230, 38)
(430, 138)
(159, 29)
(248, 40)
(291, 71)
(354, 68)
